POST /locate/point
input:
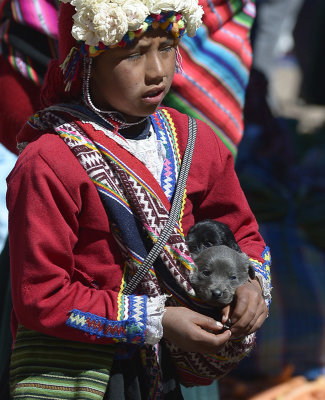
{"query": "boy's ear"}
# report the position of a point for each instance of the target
(251, 271)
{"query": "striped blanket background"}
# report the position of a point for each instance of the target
(216, 65)
(28, 36)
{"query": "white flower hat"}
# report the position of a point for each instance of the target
(105, 23)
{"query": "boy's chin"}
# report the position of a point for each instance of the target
(140, 115)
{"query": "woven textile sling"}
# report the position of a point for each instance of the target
(174, 211)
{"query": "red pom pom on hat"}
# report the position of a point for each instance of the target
(66, 40)
(54, 86)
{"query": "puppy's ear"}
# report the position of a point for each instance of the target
(251, 271)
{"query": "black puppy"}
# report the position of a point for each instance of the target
(221, 266)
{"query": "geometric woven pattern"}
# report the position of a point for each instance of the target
(131, 330)
(202, 369)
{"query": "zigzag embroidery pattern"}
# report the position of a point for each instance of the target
(264, 268)
(153, 215)
(109, 155)
(91, 160)
(131, 330)
(170, 168)
(170, 127)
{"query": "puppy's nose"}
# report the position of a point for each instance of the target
(217, 293)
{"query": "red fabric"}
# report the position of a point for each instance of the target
(66, 40)
(53, 90)
(2, 5)
(19, 99)
(63, 255)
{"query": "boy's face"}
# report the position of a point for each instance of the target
(134, 79)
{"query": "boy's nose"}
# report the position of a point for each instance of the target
(155, 71)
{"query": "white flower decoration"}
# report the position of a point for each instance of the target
(156, 7)
(193, 18)
(108, 21)
(99, 21)
(136, 12)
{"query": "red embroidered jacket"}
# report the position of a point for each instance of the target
(63, 255)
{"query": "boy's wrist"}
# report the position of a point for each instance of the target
(256, 282)
(155, 311)
(265, 287)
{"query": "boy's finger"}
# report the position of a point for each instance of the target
(244, 326)
(249, 322)
(212, 343)
(210, 324)
(225, 314)
(258, 323)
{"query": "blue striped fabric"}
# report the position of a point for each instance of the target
(216, 65)
(219, 61)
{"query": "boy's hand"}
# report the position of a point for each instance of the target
(248, 310)
(187, 329)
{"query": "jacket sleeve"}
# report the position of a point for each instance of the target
(49, 294)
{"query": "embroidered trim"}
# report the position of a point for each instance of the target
(120, 296)
(263, 272)
(172, 130)
(264, 269)
(171, 165)
(131, 330)
(89, 160)
(170, 124)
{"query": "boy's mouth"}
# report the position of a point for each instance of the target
(155, 95)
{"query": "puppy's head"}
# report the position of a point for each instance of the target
(209, 233)
(218, 272)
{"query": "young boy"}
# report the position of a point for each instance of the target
(89, 196)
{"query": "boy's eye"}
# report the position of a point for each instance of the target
(167, 48)
(206, 272)
(233, 277)
(133, 56)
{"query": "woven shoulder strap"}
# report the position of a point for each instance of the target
(174, 211)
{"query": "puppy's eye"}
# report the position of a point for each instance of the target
(207, 243)
(233, 277)
(206, 272)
